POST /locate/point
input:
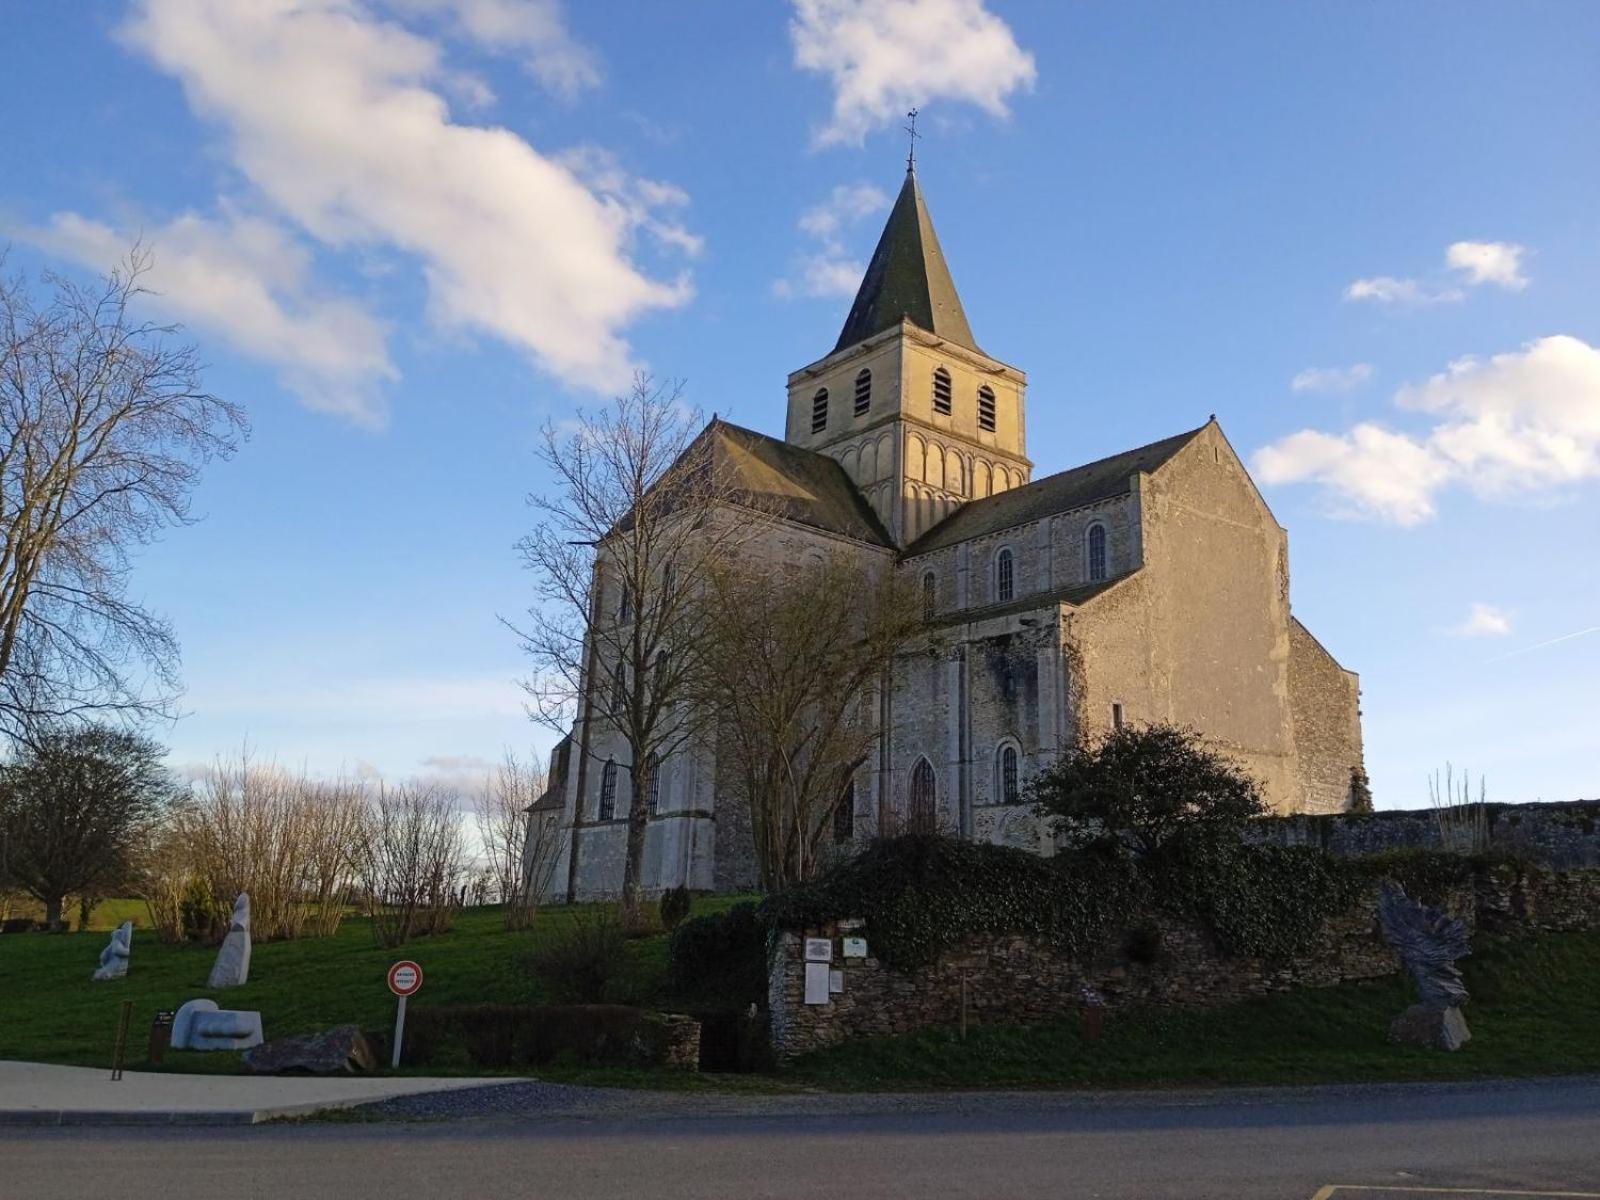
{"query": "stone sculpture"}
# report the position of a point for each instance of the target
(338, 1051)
(233, 961)
(201, 1025)
(114, 958)
(1428, 942)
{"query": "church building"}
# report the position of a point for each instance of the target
(1152, 585)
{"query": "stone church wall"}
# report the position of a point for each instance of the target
(1016, 980)
(1327, 724)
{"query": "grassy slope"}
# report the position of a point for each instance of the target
(1535, 1010)
(50, 1011)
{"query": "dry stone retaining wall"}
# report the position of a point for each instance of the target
(1016, 980)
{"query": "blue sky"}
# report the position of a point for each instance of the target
(407, 233)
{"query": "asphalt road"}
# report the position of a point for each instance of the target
(1481, 1141)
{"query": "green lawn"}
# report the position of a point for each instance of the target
(1535, 1010)
(50, 1011)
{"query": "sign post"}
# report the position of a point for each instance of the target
(405, 977)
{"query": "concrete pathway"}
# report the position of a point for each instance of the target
(41, 1094)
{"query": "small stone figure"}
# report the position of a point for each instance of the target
(201, 1025)
(233, 961)
(1428, 942)
(114, 958)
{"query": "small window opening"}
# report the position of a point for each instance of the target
(941, 391)
(819, 411)
(608, 790)
(1008, 775)
(986, 408)
(1116, 716)
(863, 391)
(930, 596)
(1097, 552)
(844, 817)
(1005, 584)
(653, 793)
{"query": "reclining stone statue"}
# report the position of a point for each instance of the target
(201, 1025)
(1428, 942)
(114, 958)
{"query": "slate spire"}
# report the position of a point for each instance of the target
(907, 279)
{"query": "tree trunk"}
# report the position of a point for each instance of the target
(633, 864)
(52, 914)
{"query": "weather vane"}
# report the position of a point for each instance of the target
(911, 128)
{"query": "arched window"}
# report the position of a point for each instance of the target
(920, 812)
(844, 817)
(1095, 551)
(930, 596)
(619, 689)
(941, 391)
(863, 391)
(1005, 576)
(608, 790)
(986, 408)
(819, 411)
(1006, 785)
(653, 792)
(625, 604)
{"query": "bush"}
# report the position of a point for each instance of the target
(722, 954)
(1264, 901)
(508, 1035)
(675, 904)
(923, 894)
(585, 960)
(1146, 784)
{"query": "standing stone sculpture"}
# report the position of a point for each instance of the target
(114, 958)
(1428, 942)
(233, 961)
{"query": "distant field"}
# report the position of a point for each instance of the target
(108, 914)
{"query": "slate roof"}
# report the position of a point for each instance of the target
(1045, 497)
(907, 279)
(1074, 594)
(801, 485)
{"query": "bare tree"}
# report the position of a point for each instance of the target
(73, 807)
(641, 510)
(517, 842)
(412, 858)
(797, 660)
(104, 427)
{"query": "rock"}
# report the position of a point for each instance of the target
(1430, 1025)
(341, 1050)
(201, 1025)
(114, 958)
(233, 961)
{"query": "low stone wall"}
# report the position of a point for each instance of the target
(1563, 835)
(1015, 980)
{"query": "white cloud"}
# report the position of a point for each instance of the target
(1402, 293)
(1499, 263)
(533, 30)
(1489, 262)
(251, 282)
(884, 57)
(1332, 379)
(1483, 620)
(336, 117)
(827, 268)
(1520, 424)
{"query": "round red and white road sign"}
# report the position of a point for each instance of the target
(405, 977)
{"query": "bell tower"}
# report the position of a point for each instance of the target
(920, 418)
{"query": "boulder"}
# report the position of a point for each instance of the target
(1430, 1025)
(341, 1050)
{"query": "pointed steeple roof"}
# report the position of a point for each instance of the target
(907, 279)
